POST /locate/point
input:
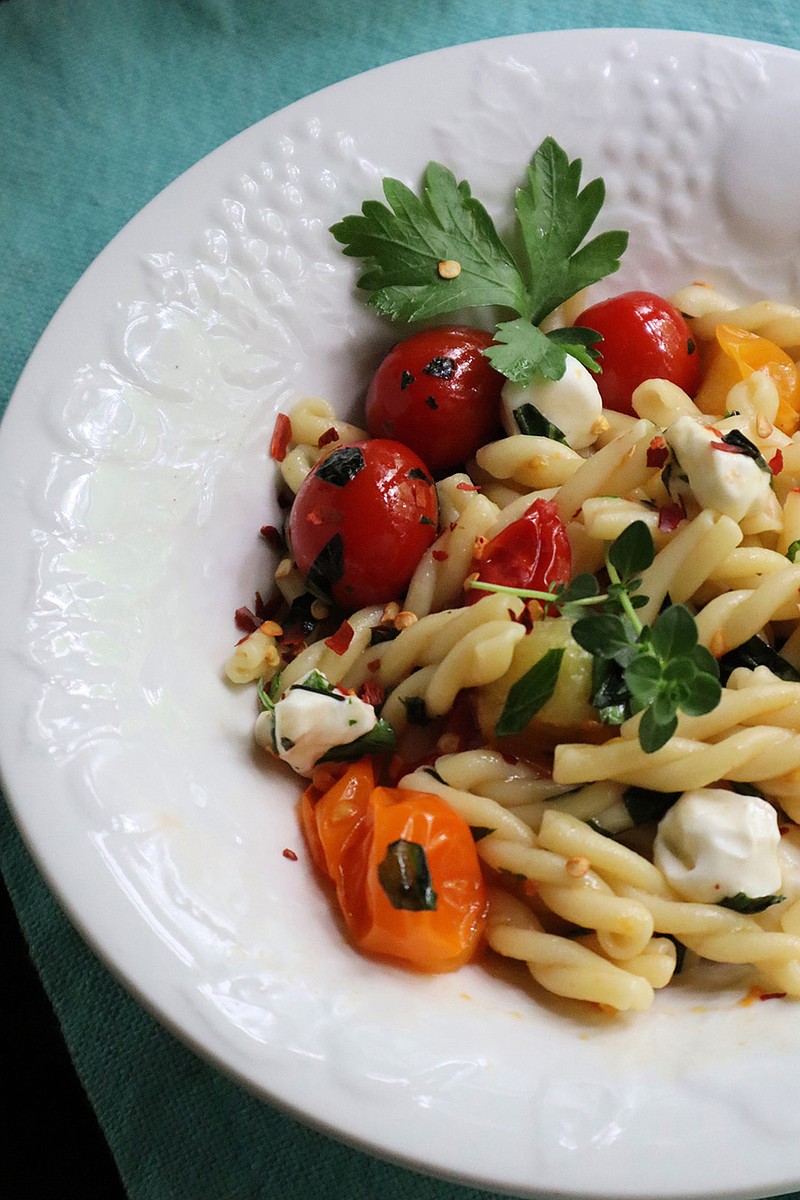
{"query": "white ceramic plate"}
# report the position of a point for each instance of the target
(134, 481)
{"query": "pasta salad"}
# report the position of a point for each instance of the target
(534, 637)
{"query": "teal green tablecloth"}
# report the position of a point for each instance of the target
(103, 103)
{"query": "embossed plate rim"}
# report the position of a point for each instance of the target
(423, 1115)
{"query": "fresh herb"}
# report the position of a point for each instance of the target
(378, 740)
(792, 551)
(327, 568)
(756, 653)
(750, 905)
(658, 670)
(743, 445)
(405, 877)
(479, 832)
(645, 805)
(269, 696)
(416, 711)
(440, 367)
(530, 693)
(341, 466)
(402, 243)
(533, 424)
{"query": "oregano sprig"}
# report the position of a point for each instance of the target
(657, 670)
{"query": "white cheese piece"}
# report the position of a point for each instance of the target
(729, 483)
(305, 725)
(571, 403)
(714, 843)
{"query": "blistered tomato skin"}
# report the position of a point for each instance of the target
(644, 337)
(438, 393)
(532, 552)
(361, 521)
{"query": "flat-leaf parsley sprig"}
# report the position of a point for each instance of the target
(437, 253)
(658, 670)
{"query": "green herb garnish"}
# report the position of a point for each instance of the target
(405, 877)
(402, 243)
(530, 693)
(750, 905)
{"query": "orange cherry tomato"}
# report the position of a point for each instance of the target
(410, 885)
(407, 874)
(340, 810)
(737, 354)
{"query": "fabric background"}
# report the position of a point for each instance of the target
(102, 104)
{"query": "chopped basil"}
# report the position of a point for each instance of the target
(479, 832)
(793, 550)
(749, 905)
(440, 367)
(431, 402)
(418, 473)
(327, 568)
(341, 466)
(405, 877)
(379, 739)
(315, 681)
(610, 695)
(531, 422)
(406, 379)
(415, 710)
(756, 653)
(530, 693)
(645, 805)
(737, 439)
(382, 633)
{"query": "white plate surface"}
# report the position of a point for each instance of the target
(134, 479)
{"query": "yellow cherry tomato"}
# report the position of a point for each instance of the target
(737, 355)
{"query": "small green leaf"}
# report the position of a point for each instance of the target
(793, 551)
(530, 693)
(645, 805)
(579, 343)
(750, 905)
(327, 568)
(341, 466)
(633, 551)
(405, 877)
(673, 632)
(531, 422)
(704, 696)
(654, 734)
(522, 351)
(378, 740)
(604, 635)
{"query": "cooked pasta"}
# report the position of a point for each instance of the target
(573, 812)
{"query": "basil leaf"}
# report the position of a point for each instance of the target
(341, 466)
(742, 903)
(378, 740)
(405, 877)
(756, 653)
(645, 805)
(533, 424)
(327, 568)
(530, 693)
(736, 438)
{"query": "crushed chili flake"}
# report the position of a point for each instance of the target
(246, 620)
(440, 555)
(372, 693)
(339, 641)
(272, 536)
(657, 452)
(530, 887)
(776, 463)
(281, 436)
(324, 439)
(670, 517)
(373, 664)
(726, 447)
(290, 854)
(772, 996)
(467, 487)
(314, 517)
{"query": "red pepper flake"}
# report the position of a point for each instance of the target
(373, 664)
(290, 854)
(339, 641)
(440, 555)
(772, 996)
(670, 517)
(776, 463)
(372, 693)
(272, 536)
(467, 487)
(246, 620)
(324, 439)
(726, 447)
(657, 452)
(281, 436)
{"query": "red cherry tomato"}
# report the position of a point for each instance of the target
(644, 337)
(532, 552)
(437, 393)
(361, 521)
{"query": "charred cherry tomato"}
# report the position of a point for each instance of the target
(437, 393)
(736, 354)
(644, 337)
(532, 552)
(409, 883)
(361, 521)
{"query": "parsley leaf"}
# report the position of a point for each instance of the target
(402, 242)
